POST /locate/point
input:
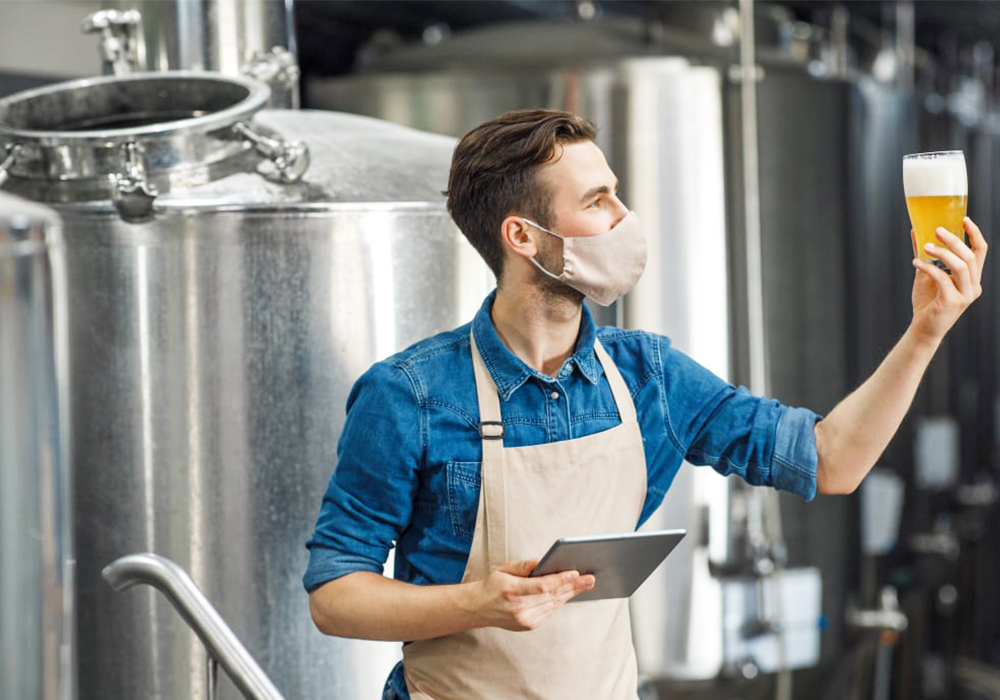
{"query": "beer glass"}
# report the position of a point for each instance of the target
(936, 188)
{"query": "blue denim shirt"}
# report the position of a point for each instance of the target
(408, 458)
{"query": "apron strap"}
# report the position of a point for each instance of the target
(623, 399)
(492, 470)
(491, 431)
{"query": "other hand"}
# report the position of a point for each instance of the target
(939, 299)
(512, 601)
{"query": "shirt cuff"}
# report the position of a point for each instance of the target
(329, 564)
(794, 462)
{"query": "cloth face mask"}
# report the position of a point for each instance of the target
(603, 267)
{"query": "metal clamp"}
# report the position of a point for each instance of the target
(8, 161)
(133, 196)
(119, 45)
(290, 158)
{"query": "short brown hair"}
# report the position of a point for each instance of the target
(493, 174)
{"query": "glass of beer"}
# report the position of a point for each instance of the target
(936, 188)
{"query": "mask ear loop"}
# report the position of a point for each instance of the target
(541, 228)
(533, 261)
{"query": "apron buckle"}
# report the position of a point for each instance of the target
(493, 435)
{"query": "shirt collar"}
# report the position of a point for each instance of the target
(509, 372)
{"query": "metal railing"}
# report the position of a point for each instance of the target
(223, 647)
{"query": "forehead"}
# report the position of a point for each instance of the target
(580, 166)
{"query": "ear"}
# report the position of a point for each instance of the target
(518, 237)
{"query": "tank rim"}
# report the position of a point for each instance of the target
(257, 96)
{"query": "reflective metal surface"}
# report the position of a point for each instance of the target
(232, 37)
(75, 132)
(214, 346)
(36, 566)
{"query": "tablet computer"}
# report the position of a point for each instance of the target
(619, 562)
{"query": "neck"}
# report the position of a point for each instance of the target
(538, 327)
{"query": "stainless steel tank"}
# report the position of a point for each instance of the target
(255, 38)
(36, 565)
(216, 330)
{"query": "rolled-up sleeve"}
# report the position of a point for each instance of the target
(369, 498)
(714, 423)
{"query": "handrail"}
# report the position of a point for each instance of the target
(220, 641)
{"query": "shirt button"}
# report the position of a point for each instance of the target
(554, 395)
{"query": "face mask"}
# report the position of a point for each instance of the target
(603, 267)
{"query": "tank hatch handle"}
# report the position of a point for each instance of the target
(119, 31)
(223, 646)
(7, 163)
(133, 196)
(290, 158)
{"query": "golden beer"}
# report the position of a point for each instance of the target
(927, 213)
(936, 188)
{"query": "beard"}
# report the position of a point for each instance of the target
(550, 256)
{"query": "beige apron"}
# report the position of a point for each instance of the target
(530, 497)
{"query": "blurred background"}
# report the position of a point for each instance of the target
(216, 214)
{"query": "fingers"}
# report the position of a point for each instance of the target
(940, 277)
(959, 267)
(554, 596)
(519, 568)
(547, 585)
(961, 260)
(525, 603)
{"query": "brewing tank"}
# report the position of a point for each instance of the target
(231, 272)
(36, 650)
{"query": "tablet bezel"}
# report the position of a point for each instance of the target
(620, 562)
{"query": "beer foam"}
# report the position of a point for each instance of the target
(934, 175)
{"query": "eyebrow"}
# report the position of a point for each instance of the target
(594, 191)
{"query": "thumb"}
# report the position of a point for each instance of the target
(519, 568)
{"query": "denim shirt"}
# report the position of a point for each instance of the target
(408, 458)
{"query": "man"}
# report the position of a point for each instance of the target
(474, 450)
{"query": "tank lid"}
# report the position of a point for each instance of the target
(79, 130)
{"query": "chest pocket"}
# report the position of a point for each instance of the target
(463, 497)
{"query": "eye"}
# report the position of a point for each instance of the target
(596, 202)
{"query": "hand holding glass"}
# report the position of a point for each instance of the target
(936, 188)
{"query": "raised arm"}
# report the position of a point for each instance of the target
(856, 432)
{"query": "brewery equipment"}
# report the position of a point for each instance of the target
(231, 272)
(36, 560)
(254, 38)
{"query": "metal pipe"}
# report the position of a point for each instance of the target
(766, 504)
(905, 44)
(751, 201)
(220, 641)
(212, 678)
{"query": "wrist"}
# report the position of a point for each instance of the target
(469, 600)
(922, 342)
